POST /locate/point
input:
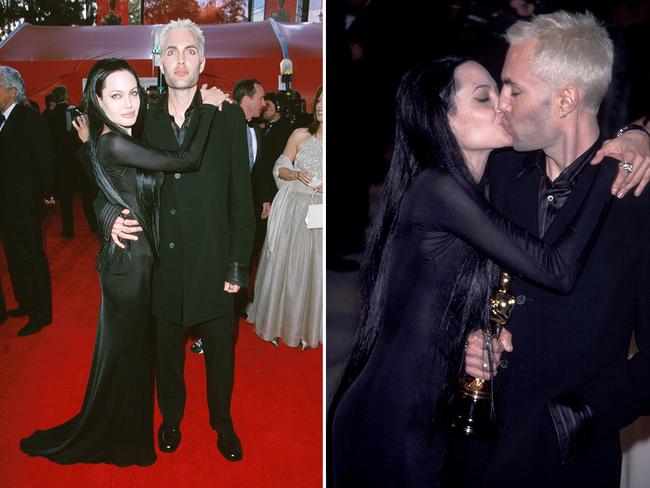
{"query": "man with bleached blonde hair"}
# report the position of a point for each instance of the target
(206, 236)
(569, 386)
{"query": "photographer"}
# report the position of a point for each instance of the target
(70, 176)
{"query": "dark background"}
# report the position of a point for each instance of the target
(365, 61)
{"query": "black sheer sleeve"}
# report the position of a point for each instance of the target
(118, 150)
(447, 204)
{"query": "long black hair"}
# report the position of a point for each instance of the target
(314, 125)
(423, 139)
(147, 182)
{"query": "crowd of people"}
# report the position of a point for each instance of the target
(194, 168)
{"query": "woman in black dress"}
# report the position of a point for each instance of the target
(115, 424)
(430, 265)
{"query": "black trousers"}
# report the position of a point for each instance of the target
(28, 268)
(66, 201)
(218, 337)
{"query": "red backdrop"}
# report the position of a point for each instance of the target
(50, 56)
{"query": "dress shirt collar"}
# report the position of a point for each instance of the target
(6, 114)
(536, 161)
(554, 194)
(164, 101)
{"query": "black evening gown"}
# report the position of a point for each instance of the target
(115, 424)
(384, 432)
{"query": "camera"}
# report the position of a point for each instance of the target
(71, 113)
(292, 106)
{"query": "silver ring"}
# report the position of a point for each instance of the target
(485, 365)
(627, 166)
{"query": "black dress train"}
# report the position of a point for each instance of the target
(115, 424)
(384, 432)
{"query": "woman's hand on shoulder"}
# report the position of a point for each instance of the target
(214, 96)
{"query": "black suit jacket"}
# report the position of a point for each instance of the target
(274, 142)
(65, 142)
(576, 343)
(255, 173)
(206, 219)
(26, 166)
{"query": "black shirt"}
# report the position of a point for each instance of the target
(553, 194)
(180, 131)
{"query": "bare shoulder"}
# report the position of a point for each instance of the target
(298, 137)
(300, 134)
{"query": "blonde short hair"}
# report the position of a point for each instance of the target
(572, 48)
(162, 34)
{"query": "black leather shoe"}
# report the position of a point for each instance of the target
(3, 318)
(31, 328)
(16, 312)
(169, 437)
(229, 446)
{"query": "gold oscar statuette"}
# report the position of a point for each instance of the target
(471, 408)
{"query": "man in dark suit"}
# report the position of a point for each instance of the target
(26, 179)
(262, 144)
(569, 386)
(70, 176)
(206, 234)
(48, 111)
(277, 130)
(249, 95)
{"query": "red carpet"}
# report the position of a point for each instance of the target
(277, 401)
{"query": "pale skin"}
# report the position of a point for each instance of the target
(558, 122)
(638, 154)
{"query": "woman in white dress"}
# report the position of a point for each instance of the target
(288, 300)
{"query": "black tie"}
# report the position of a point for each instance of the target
(2, 118)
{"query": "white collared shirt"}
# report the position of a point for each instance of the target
(6, 113)
(253, 141)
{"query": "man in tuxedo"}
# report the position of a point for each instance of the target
(277, 130)
(249, 95)
(26, 179)
(569, 386)
(69, 173)
(206, 234)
